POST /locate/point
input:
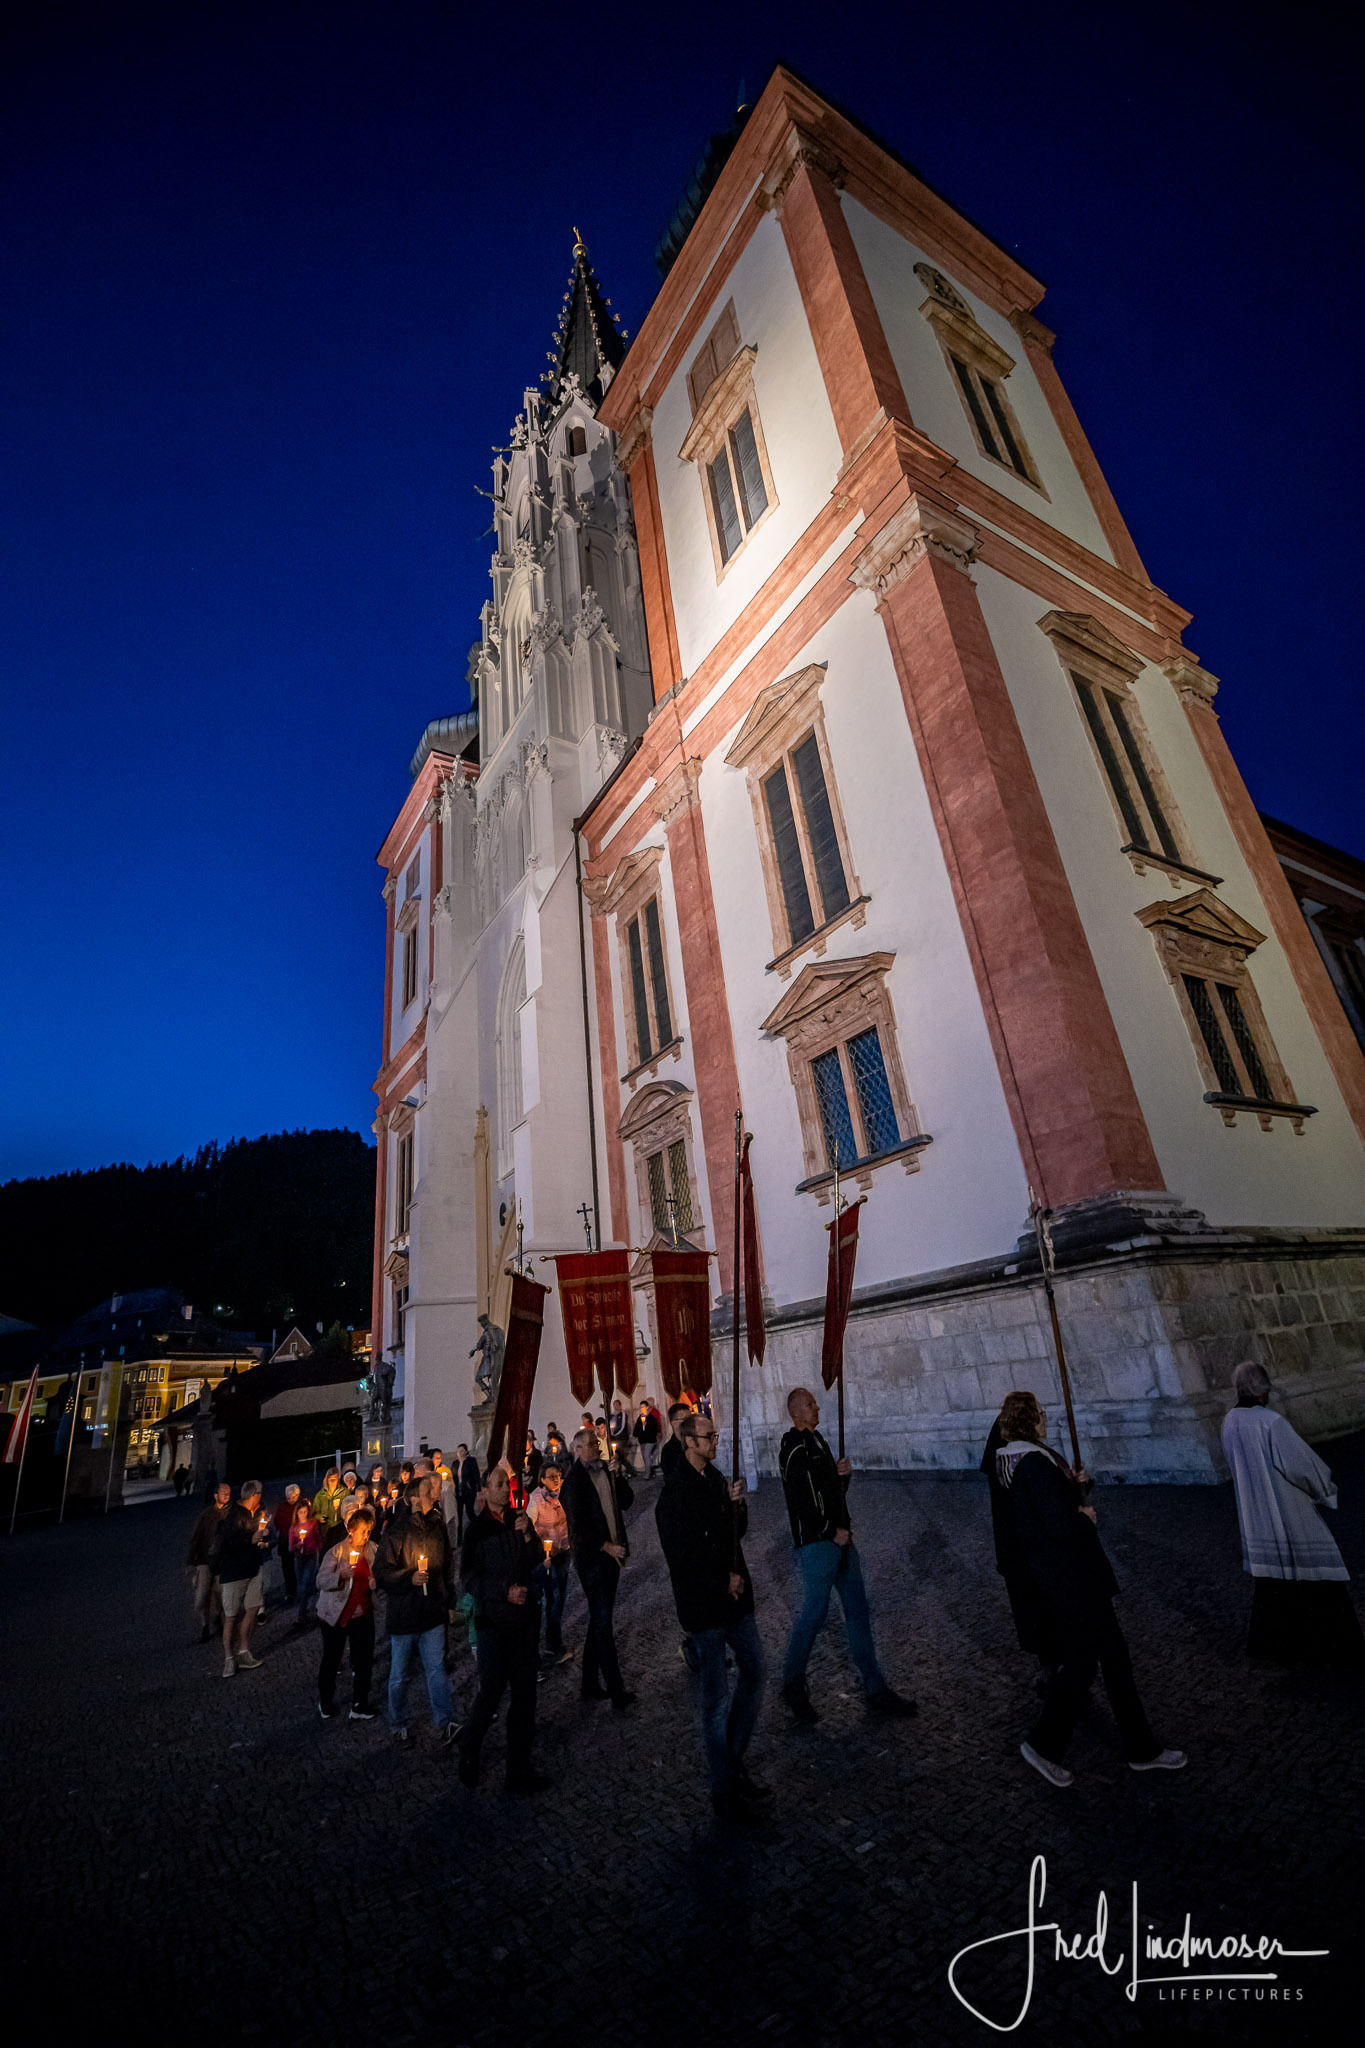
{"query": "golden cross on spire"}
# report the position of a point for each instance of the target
(579, 246)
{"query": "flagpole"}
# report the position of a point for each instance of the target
(115, 1399)
(1045, 1258)
(70, 1441)
(838, 1294)
(23, 1453)
(739, 1260)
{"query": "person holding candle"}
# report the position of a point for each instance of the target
(283, 1519)
(305, 1548)
(413, 1572)
(326, 1506)
(346, 1614)
(551, 1526)
(498, 1564)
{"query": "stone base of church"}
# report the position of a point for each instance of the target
(1152, 1336)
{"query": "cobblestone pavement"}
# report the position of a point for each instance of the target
(186, 1857)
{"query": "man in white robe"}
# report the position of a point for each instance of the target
(1300, 1608)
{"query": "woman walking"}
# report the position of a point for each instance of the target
(346, 1615)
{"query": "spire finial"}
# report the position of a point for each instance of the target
(579, 246)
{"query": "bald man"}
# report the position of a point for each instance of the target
(816, 1488)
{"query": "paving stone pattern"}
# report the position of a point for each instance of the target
(190, 1858)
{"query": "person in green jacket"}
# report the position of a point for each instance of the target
(327, 1499)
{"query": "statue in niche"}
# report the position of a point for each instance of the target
(492, 1344)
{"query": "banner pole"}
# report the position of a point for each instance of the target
(739, 1259)
(115, 1398)
(19, 1478)
(1045, 1258)
(70, 1441)
(838, 1293)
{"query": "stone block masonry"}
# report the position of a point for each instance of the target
(1152, 1336)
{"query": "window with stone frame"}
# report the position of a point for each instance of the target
(409, 967)
(575, 440)
(634, 895)
(406, 924)
(979, 367)
(852, 1101)
(1204, 947)
(1100, 672)
(657, 1126)
(403, 1183)
(808, 872)
(725, 440)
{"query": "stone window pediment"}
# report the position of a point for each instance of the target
(661, 1099)
(979, 366)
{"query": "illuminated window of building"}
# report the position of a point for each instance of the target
(852, 1100)
(403, 1207)
(808, 872)
(979, 367)
(725, 440)
(1204, 947)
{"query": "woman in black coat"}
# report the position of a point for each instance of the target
(1047, 1541)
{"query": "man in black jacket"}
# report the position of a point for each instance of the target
(1048, 1530)
(500, 1554)
(468, 1480)
(595, 1501)
(701, 1525)
(672, 1451)
(817, 1506)
(412, 1570)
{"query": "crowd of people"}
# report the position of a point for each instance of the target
(455, 1549)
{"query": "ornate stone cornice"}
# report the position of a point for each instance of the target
(1031, 331)
(1191, 683)
(917, 531)
(797, 150)
(1082, 642)
(677, 792)
(389, 890)
(634, 438)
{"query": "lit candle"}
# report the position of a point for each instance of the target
(355, 1559)
(421, 1566)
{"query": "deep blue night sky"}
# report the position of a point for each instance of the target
(274, 279)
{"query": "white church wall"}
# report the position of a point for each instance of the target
(934, 401)
(1241, 1175)
(969, 1198)
(798, 428)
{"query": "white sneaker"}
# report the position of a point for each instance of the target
(1169, 1760)
(246, 1662)
(1054, 1773)
(229, 1667)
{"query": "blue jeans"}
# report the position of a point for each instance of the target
(832, 1568)
(306, 1582)
(551, 1582)
(727, 1722)
(430, 1646)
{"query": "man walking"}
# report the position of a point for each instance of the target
(467, 1483)
(595, 1501)
(412, 1570)
(646, 1434)
(283, 1521)
(499, 1557)
(618, 1434)
(701, 1524)
(208, 1601)
(673, 1446)
(1053, 1531)
(817, 1505)
(240, 1550)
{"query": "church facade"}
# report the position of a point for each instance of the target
(922, 846)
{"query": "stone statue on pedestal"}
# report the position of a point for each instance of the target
(492, 1344)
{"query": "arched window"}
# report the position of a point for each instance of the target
(510, 1000)
(575, 441)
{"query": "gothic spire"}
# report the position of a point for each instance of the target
(587, 341)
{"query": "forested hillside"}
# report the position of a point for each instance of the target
(264, 1231)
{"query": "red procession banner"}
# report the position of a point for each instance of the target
(755, 1328)
(599, 1322)
(843, 1253)
(512, 1415)
(682, 1307)
(19, 1427)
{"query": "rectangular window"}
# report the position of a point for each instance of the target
(787, 847)
(651, 1011)
(413, 881)
(854, 1073)
(805, 841)
(404, 1203)
(995, 426)
(753, 496)
(658, 1191)
(974, 406)
(1244, 1042)
(409, 967)
(400, 1313)
(670, 1191)
(716, 353)
(1230, 1042)
(728, 529)
(1002, 421)
(679, 1186)
(644, 1045)
(1126, 770)
(821, 836)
